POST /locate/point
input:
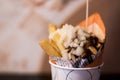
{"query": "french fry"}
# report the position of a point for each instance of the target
(56, 40)
(92, 49)
(61, 47)
(54, 45)
(56, 37)
(49, 49)
(52, 28)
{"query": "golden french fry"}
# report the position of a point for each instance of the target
(52, 28)
(92, 49)
(98, 45)
(49, 49)
(56, 40)
(54, 45)
(56, 37)
(60, 46)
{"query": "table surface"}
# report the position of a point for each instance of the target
(48, 77)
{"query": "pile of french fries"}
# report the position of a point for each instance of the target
(53, 47)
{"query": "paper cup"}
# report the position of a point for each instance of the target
(64, 73)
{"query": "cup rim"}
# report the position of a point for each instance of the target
(87, 68)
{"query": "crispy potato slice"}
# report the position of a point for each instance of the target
(49, 49)
(52, 28)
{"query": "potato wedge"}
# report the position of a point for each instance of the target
(49, 49)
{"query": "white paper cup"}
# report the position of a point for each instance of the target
(64, 73)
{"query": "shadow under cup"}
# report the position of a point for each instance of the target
(64, 73)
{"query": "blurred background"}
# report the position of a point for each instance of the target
(23, 23)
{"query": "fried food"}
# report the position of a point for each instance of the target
(49, 49)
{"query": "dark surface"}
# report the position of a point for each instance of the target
(48, 77)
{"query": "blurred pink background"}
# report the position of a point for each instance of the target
(23, 23)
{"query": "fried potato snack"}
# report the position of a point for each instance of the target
(49, 48)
